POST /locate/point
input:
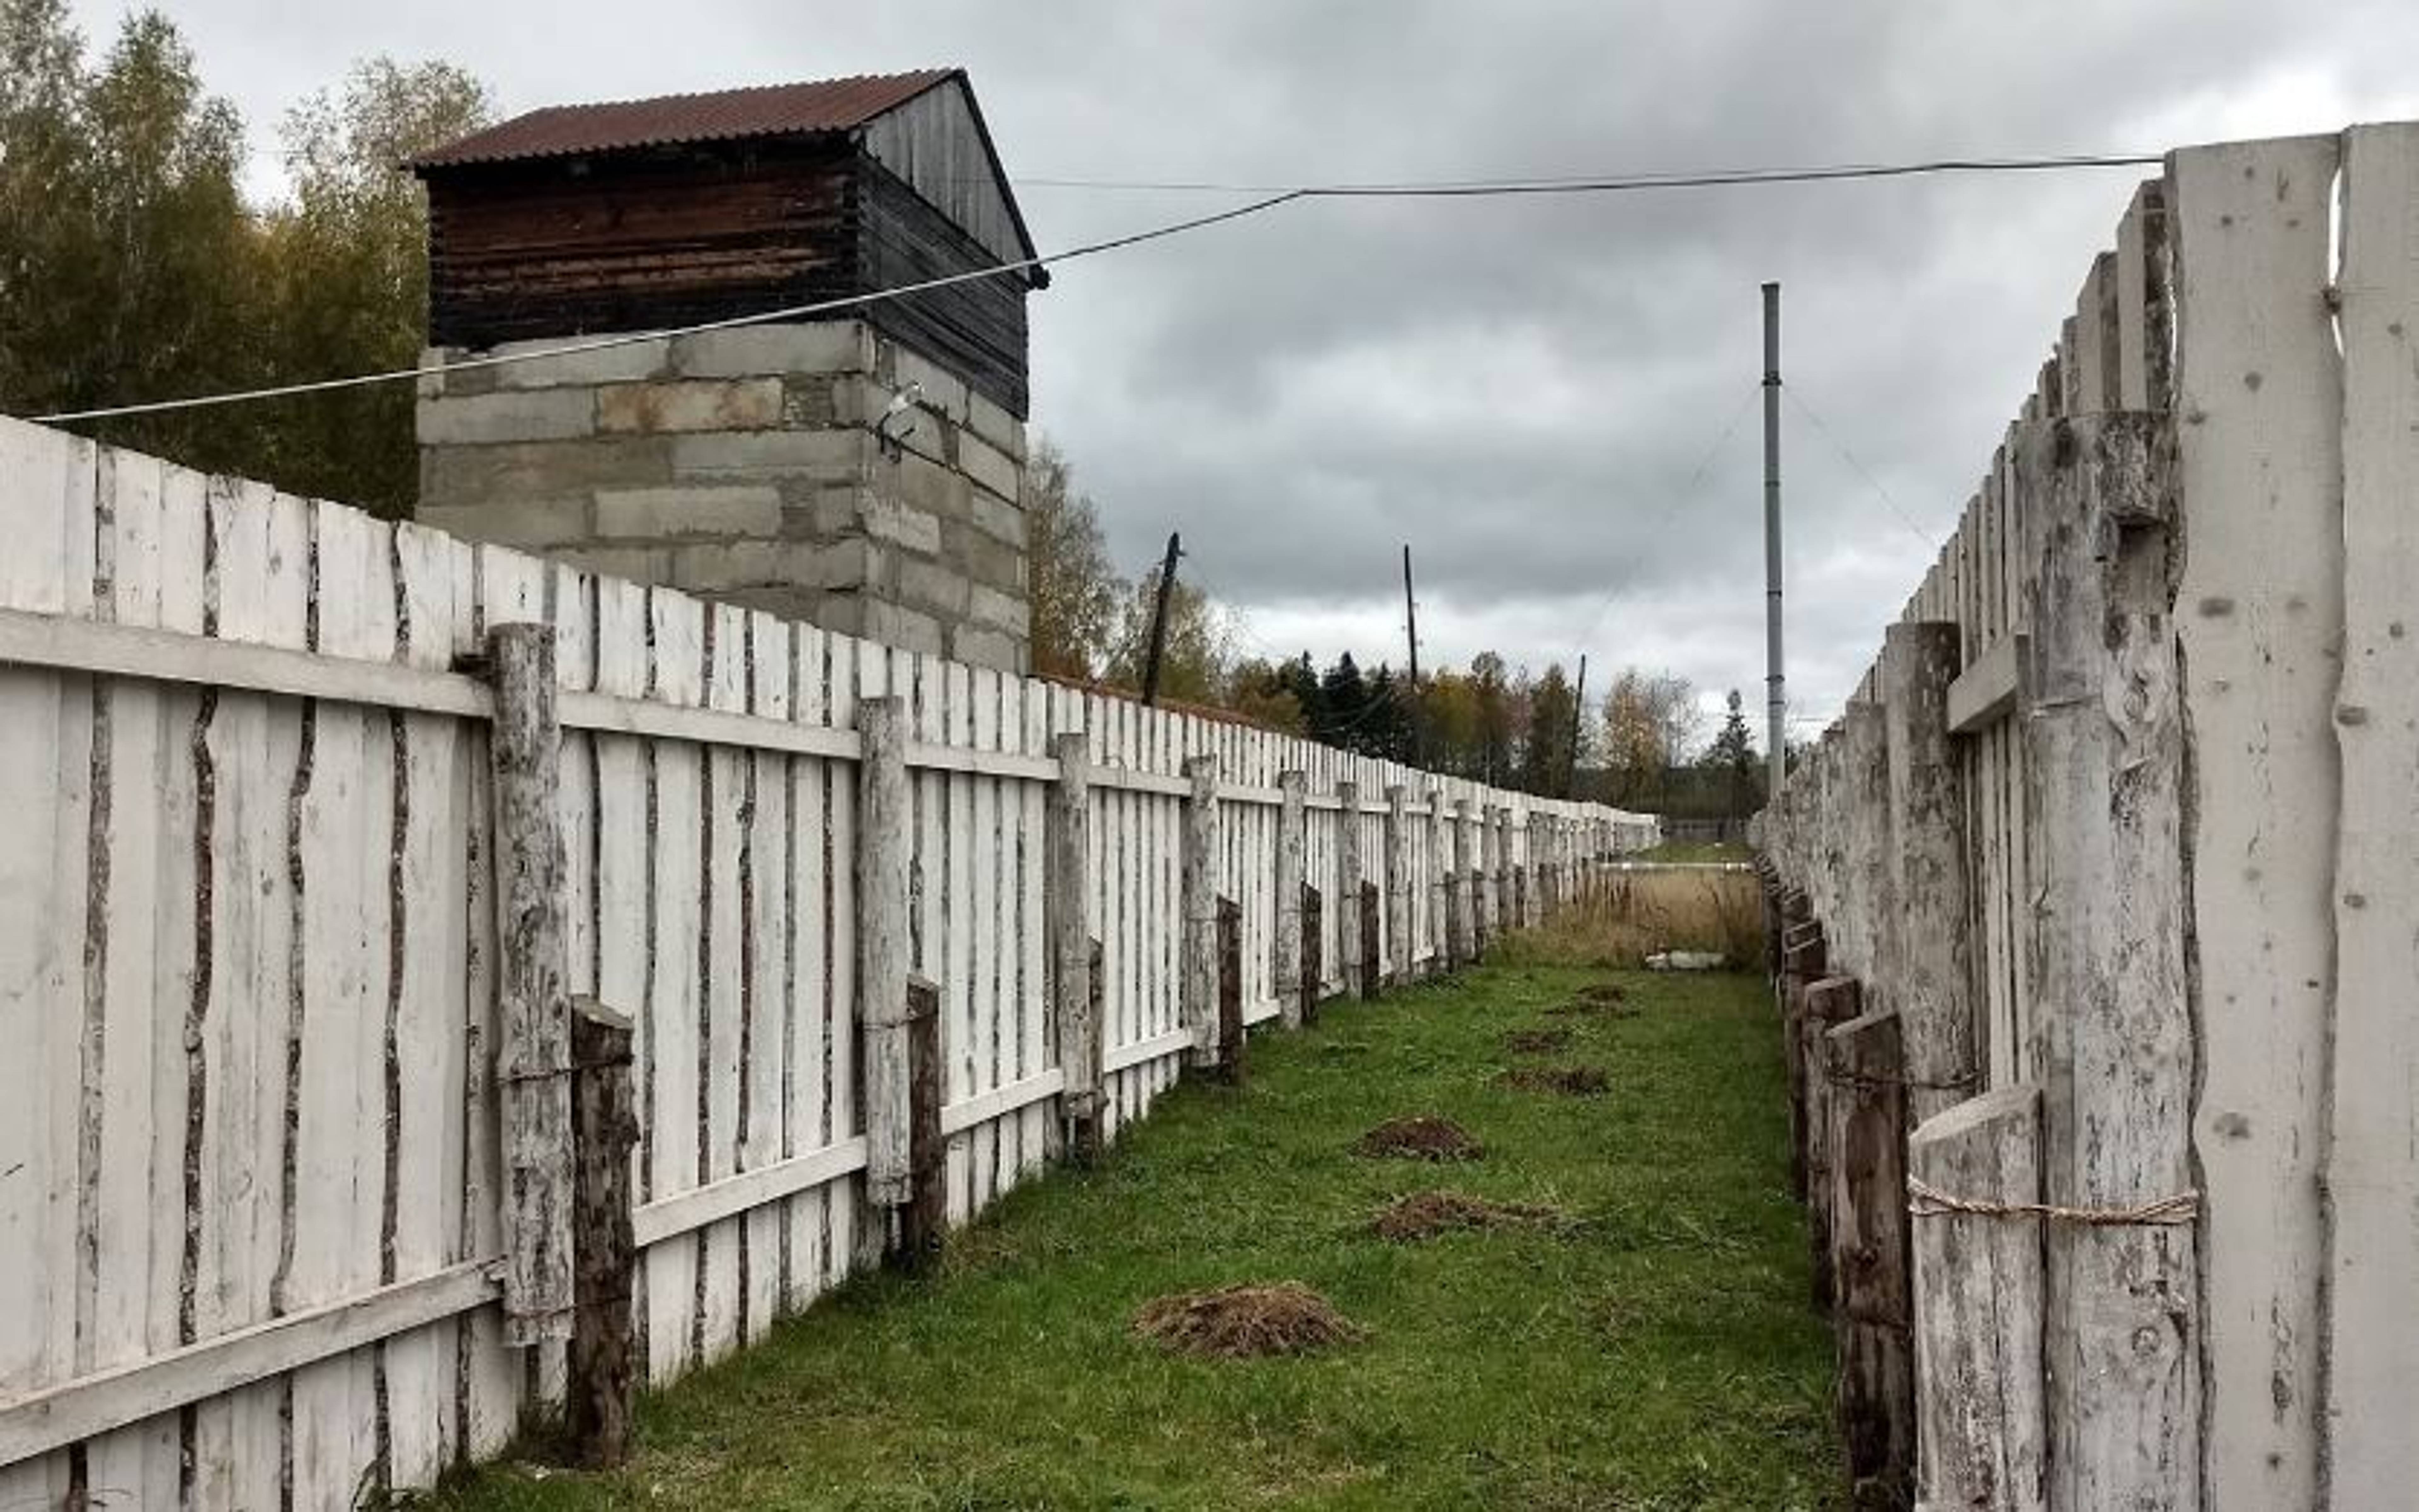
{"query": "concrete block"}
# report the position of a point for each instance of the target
(746, 509)
(984, 559)
(1000, 518)
(541, 469)
(999, 611)
(539, 523)
(479, 419)
(625, 362)
(929, 585)
(890, 521)
(638, 564)
(690, 404)
(921, 483)
(722, 565)
(884, 622)
(989, 468)
(836, 456)
(979, 647)
(996, 425)
(750, 351)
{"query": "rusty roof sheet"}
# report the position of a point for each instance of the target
(771, 110)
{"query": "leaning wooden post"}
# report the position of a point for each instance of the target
(1982, 1424)
(1230, 991)
(1293, 827)
(1442, 892)
(1314, 943)
(1803, 959)
(1828, 1002)
(1373, 974)
(923, 1221)
(1461, 896)
(1200, 943)
(882, 831)
(599, 1388)
(533, 1007)
(1347, 885)
(1875, 1317)
(1398, 884)
(1930, 936)
(2104, 802)
(1067, 899)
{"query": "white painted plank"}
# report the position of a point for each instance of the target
(2259, 619)
(674, 998)
(2372, 1159)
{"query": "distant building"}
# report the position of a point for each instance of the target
(861, 470)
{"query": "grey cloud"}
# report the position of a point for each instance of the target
(1520, 388)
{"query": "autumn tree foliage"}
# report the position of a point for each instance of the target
(135, 266)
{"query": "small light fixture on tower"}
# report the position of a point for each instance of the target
(898, 422)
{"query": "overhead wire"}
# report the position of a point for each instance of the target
(1861, 471)
(1273, 198)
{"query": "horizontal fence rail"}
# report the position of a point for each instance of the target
(284, 998)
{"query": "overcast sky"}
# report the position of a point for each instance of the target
(1521, 390)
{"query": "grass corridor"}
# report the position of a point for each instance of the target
(1655, 1352)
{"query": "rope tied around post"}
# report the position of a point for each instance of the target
(1927, 1201)
(1839, 1073)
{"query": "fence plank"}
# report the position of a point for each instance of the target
(2105, 767)
(2372, 1161)
(1930, 975)
(2261, 473)
(1865, 1068)
(1982, 1438)
(884, 946)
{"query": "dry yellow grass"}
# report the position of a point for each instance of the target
(1640, 912)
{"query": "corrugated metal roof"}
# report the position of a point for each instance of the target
(770, 110)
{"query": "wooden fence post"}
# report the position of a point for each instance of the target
(1373, 975)
(1830, 1002)
(1292, 848)
(1230, 991)
(1802, 961)
(1314, 965)
(533, 1007)
(598, 1387)
(1875, 1317)
(2104, 764)
(1067, 893)
(883, 832)
(924, 1219)
(1199, 942)
(1930, 976)
(1983, 1426)
(1398, 884)
(1443, 893)
(1461, 901)
(1486, 887)
(1348, 886)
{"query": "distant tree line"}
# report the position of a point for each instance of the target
(1640, 747)
(133, 267)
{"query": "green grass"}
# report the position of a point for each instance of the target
(1658, 1353)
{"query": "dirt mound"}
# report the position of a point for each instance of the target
(1244, 1323)
(1568, 1081)
(1534, 1041)
(1422, 1136)
(1604, 999)
(1427, 1214)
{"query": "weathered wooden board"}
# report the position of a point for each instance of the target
(2372, 1155)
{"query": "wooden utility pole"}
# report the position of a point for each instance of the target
(1158, 620)
(1776, 683)
(1578, 722)
(1412, 637)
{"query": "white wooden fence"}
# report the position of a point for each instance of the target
(2163, 677)
(250, 1176)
